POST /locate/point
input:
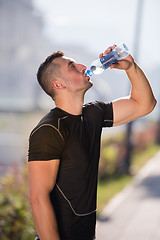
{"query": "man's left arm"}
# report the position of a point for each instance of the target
(141, 100)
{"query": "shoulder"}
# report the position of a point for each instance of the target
(99, 112)
(49, 125)
(97, 106)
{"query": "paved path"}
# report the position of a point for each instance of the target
(134, 214)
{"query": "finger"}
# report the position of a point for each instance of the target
(112, 66)
(109, 49)
(112, 47)
(100, 55)
(115, 65)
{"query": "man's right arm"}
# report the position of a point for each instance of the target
(42, 178)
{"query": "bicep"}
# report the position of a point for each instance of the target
(125, 110)
(42, 176)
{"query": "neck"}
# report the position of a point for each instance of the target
(71, 104)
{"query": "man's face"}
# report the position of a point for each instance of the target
(73, 75)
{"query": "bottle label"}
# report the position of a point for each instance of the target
(108, 60)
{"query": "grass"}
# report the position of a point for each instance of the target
(107, 189)
(141, 158)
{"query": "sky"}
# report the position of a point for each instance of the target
(97, 24)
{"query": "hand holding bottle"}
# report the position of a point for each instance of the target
(114, 57)
(124, 63)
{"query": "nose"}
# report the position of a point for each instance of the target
(81, 67)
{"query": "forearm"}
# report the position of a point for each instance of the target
(45, 219)
(141, 90)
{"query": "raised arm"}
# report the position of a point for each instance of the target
(141, 100)
(42, 178)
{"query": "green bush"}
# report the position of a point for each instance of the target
(15, 212)
(112, 155)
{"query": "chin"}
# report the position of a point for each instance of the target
(89, 85)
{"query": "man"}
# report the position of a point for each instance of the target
(64, 147)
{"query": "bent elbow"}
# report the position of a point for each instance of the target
(149, 108)
(152, 105)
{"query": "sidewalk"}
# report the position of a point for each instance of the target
(134, 214)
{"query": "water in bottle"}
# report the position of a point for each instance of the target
(98, 66)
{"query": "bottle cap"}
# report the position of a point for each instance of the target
(89, 73)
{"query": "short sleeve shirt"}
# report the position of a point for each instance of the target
(75, 140)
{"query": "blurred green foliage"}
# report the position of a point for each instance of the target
(15, 212)
(112, 155)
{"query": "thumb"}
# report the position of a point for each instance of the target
(114, 65)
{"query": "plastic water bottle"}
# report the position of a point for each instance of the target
(98, 66)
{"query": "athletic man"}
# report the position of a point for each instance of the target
(64, 147)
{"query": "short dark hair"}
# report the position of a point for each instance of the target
(47, 71)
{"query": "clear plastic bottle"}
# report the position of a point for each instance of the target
(98, 66)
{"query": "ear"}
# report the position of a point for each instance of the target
(57, 84)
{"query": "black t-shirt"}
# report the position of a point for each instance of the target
(75, 140)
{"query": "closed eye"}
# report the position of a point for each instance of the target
(71, 64)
